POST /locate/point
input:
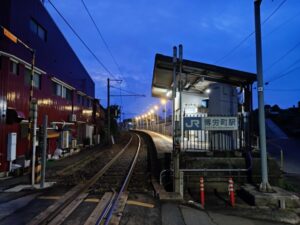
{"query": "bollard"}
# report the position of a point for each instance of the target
(202, 197)
(231, 192)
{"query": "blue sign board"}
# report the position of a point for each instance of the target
(192, 123)
(210, 123)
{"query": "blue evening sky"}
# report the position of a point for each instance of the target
(136, 30)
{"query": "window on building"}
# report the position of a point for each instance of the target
(88, 102)
(36, 79)
(57, 89)
(14, 67)
(67, 93)
(79, 97)
(83, 101)
(33, 26)
(42, 33)
(62, 91)
(38, 30)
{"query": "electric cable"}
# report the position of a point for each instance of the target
(249, 35)
(282, 75)
(102, 38)
(81, 40)
(283, 90)
(129, 92)
(283, 56)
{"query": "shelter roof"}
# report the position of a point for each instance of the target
(198, 75)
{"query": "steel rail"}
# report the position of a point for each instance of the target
(45, 219)
(124, 186)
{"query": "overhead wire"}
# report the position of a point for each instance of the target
(81, 40)
(129, 92)
(283, 90)
(283, 56)
(249, 35)
(282, 75)
(282, 24)
(102, 38)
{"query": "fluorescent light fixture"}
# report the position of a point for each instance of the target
(207, 91)
(169, 93)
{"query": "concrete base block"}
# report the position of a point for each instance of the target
(27, 187)
(280, 198)
(163, 195)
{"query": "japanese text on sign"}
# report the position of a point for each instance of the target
(220, 123)
(210, 123)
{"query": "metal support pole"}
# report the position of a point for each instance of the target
(176, 142)
(180, 93)
(34, 121)
(281, 160)
(44, 150)
(147, 123)
(108, 111)
(30, 117)
(264, 186)
(165, 118)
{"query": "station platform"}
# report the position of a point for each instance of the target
(163, 143)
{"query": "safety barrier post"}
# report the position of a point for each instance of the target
(202, 196)
(231, 192)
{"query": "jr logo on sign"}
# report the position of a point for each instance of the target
(192, 123)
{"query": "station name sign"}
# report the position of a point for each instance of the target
(210, 123)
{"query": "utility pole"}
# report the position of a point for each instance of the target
(264, 186)
(108, 111)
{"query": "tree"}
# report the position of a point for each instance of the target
(115, 113)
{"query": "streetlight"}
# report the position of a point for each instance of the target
(148, 115)
(155, 108)
(164, 103)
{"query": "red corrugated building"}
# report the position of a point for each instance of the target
(62, 87)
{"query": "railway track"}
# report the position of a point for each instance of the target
(109, 185)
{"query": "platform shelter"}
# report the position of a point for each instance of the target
(212, 108)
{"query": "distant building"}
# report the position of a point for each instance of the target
(63, 88)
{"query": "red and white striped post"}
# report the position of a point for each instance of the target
(231, 192)
(202, 196)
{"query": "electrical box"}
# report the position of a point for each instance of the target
(74, 143)
(11, 146)
(89, 130)
(72, 118)
(65, 139)
(3, 108)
